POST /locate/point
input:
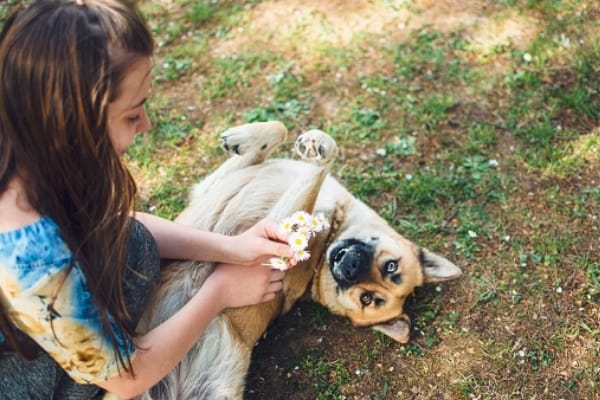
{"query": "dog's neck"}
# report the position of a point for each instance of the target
(337, 218)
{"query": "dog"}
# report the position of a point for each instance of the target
(359, 268)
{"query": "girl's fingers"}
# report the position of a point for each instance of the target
(279, 246)
(273, 230)
(268, 297)
(275, 287)
(277, 275)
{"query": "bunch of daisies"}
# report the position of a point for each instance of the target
(300, 228)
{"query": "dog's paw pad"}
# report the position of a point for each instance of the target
(316, 146)
(240, 140)
(229, 143)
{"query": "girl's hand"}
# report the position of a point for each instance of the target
(260, 243)
(243, 285)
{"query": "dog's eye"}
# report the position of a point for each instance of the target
(391, 267)
(366, 298)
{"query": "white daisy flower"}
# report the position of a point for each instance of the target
(306, 232)
(318, 222)
(301, 255)
(324, 223)
(314, 223)
(287, 225)
(301, 218)
(300, 227)
(278, 263)
(297, 241)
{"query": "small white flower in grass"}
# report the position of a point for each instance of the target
(565, 41)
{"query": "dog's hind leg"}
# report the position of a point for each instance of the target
(318, 148)
(247, 144)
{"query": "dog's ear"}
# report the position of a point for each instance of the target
(437, 268)
(399, 329)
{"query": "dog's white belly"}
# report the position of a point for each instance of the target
(247, 195)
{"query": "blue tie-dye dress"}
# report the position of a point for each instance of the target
(54, 307)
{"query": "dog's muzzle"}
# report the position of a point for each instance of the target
(350, 261)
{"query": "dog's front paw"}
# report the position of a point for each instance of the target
(254, 137)
(316, 146)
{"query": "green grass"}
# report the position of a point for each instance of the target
(326, 377)
(229, 75)
(485, 152)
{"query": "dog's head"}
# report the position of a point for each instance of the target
(369, 275)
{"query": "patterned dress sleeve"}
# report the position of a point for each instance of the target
(54, 307)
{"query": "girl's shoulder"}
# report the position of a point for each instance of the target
(35, 244)
(15, 209)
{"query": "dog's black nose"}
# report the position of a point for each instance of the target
(350, 261)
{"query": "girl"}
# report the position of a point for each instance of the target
(76, 263)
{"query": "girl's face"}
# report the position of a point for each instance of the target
(127, 114)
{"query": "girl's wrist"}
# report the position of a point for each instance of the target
(226, 248)
(211, 295)
(210, 246)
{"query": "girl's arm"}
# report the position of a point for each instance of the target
(176, 241)
(239, 282)
(161, 349)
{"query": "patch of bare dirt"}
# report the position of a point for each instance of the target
(294, 26)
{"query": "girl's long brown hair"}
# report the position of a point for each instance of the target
(61, 64)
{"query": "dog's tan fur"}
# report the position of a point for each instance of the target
(249, 187)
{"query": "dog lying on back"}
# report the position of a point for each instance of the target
(359, 268)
